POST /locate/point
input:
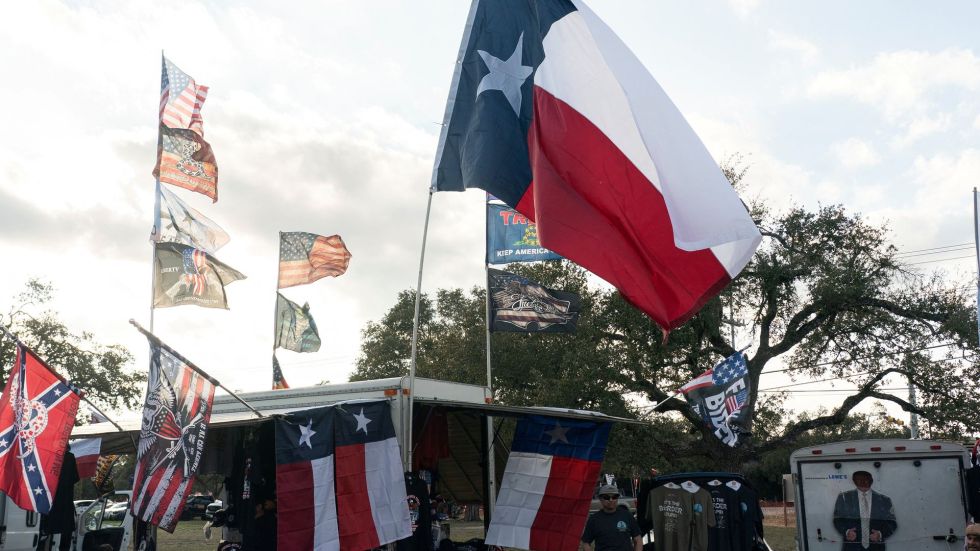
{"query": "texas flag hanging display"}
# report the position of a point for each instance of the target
(547, 485)
(345, 454)
(37, 413)
(86, 452)
(551, 113)
(370, 482)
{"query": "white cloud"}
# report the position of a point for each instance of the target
(922, 127)
(900, 84)
(806, 51)
(855, 153)
(744, 8)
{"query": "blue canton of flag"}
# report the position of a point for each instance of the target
(730, 369)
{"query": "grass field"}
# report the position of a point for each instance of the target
(189, 536)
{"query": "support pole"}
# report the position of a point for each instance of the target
(407, 451)
(196, 369)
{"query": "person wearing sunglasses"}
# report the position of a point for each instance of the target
(612, 527)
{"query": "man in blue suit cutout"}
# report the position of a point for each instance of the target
(863, 517)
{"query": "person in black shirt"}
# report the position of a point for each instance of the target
(613, 527)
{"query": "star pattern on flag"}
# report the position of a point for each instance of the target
(306, 432)
(362, 421)
(732, 368)
(558, 434)
(31, 467)
(508, 75)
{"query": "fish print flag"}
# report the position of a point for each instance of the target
(176, 414)
(550, 112)
(179, 223)
(181, 99)
(547, 484)
(37, 413)
(185, 160)
(521, 305)
(306, 257)
(185, 275)
(295, 328)
(721, 397)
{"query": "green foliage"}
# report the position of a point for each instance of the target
(99, 370)
(825, 296)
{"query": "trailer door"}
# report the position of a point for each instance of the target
(927, 495)
(19, 528)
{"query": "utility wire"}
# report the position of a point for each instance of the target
(831, 362)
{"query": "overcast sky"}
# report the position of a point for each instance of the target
(324, 117)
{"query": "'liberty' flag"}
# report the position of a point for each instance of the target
(295, 328)
(306, 257)
(185, 275)
(181, 99)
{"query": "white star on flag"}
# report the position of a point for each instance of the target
(306, 432)
(507, 76)
(38, 491)
(558, 433)
(362, 421)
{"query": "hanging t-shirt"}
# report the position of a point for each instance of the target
(642, 502)
(973, 492)
(420, 513)
(680, 518)
(748, 523)
(724, 535)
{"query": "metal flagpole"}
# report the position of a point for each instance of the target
(153, 248)
(189, 364)
(275, 314)
(407, 426)
(491, 471)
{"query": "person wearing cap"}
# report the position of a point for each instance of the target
(863, 517)
(612, 527)
(972, 537)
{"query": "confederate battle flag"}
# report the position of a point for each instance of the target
(37, 412)
(175, 421)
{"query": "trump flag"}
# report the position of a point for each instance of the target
(37, 413)
(551, 113)
(547, 484)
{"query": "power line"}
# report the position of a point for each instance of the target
(941, 260)
(914, 252)
(831, 362)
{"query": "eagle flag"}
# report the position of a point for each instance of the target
(521, 305)
(295, 328)
(720, 396)
(184, 275)
(345, 454)
(37, 413)
(176, 414)
(306, 257)
(551, 113)
(547, 484)
(179, 223)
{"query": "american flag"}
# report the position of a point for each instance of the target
(176, 414)
(306, 257)
(195, 270)
(735, 402)
(278, 381)
(181, 99)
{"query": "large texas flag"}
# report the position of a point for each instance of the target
(547, 485)
(550, 112)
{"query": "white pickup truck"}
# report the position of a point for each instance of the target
(916, 500)
(104, 521)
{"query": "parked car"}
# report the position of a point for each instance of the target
(116, 511)
(196, 507)
(211, 508)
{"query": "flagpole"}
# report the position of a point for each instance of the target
(153, 246)
(189, 364)
(491, 471)
(275, 315)
(407, 452)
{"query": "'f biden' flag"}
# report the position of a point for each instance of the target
(551, 113)
(547, 484)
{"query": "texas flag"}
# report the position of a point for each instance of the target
(551, 113)
(307, 508)
(348, 455)
(547, 484)
(86, 452)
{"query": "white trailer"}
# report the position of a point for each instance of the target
(922, 479)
